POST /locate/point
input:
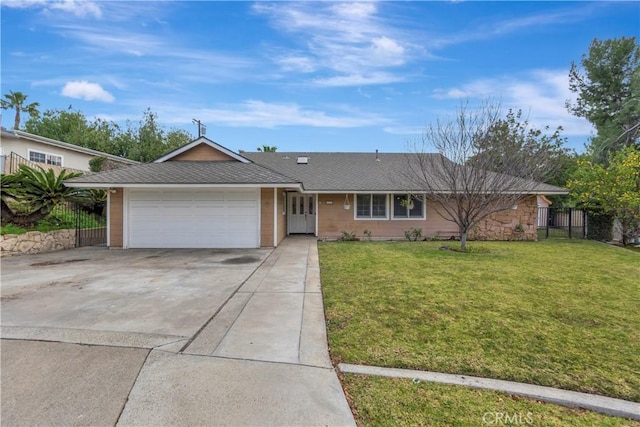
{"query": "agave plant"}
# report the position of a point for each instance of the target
(34, 192)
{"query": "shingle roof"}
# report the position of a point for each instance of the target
(339, 171)
(187, 172)
(356, 171)
(324, 172)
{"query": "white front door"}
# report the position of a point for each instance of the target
(302, 213)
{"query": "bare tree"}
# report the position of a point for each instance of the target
(468, 181)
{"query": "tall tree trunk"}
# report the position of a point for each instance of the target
(16, 125)
(463, 240)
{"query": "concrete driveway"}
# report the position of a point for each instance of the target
(167, 337)
(132, 294)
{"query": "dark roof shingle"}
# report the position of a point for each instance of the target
(187, 172)
(324, 172)
(339, 171)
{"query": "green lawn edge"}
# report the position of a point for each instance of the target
(555, 313)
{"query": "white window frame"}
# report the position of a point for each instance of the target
(355, 207)
(409, 218)
(46, 156)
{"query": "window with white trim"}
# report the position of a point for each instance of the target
(408, 206)
(371, 206)
(46, 158)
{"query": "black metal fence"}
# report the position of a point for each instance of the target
(89, 221)
(562, 222)
(91, 226)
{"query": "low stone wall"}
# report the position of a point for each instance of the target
(35, 242)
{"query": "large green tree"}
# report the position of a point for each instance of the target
(72, 126)
(512, 137)
(614, 188)
(607, 85)
(144, 140)
(147, 140)
(17, 101)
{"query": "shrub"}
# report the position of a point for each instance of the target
(413, 234)
(348, 236)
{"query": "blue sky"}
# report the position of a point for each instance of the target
(304, 76)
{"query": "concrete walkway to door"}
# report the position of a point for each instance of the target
(261, 359)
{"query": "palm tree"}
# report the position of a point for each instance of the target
(34, 194)
(16, 100)
(267, 149)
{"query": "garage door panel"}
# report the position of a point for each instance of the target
(193, 219)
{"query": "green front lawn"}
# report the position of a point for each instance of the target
(556, 313)
(400, 402)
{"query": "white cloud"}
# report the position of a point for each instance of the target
(298, 63)
(81, 9)
(541, 94)
(404, 130)
(78, 8)
(87, 91)
(350, 43)
(493, 27)
(358, 80)
(386, 52)
(260, 114)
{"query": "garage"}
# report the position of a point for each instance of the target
(193, 218)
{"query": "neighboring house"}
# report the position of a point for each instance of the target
(204, 195)
(18, 147)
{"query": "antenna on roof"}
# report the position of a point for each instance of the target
(202, 128)
(377, 158)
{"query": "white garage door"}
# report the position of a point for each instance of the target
(193, 218)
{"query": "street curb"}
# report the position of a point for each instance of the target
(602, 404)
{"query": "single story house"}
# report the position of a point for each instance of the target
(204, 195)
(18, 147)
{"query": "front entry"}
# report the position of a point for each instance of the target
(302, 213)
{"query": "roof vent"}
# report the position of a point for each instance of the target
(303, 160)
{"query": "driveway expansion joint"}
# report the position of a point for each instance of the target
(245, 359)
(223, 305)
(103, 338)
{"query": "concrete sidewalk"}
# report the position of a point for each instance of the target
(261, 360)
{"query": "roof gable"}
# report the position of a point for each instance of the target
(202, 149)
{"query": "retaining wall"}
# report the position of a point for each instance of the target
(35, 242)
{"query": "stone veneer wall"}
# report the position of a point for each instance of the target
(35, 242)
(503, 225)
